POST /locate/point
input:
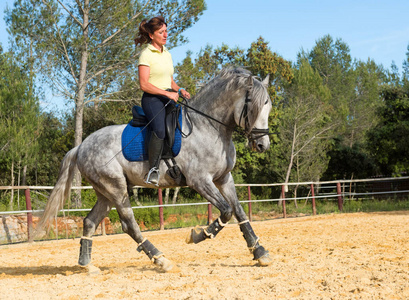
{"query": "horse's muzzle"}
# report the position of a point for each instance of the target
(260, 145)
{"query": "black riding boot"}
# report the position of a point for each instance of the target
(154, 153)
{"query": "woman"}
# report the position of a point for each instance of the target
(155, 68)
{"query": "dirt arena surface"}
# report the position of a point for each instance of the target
(341, 256)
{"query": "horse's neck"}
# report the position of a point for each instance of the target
(220, 107)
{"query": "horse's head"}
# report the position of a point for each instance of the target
(252, 114)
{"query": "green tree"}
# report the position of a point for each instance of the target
(349, 162)
(56, 139)
(261, 61)
(305, 127)
(209, 61)
(363, 105)
(350, 147)
(389, 140)
(20, 122)
(332, 60)
(355, 88)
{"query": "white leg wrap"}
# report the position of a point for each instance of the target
(157, 256)
(221, 223)
(245, 221)
(142, 242)
(210, 235)
(86, 238)
(252, 248)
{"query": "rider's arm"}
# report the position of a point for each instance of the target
(147, 87)
(175, 87)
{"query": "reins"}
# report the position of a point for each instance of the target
(204, 114)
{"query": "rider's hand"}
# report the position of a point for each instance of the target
(173, 95)
(185, 94)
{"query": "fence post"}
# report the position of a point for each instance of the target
(162, 223)
(250, 210)
(340, 200)
(314, 209)
(283, 200)
(29, 214)
(209, 213)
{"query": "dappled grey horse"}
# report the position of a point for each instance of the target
(233, 98)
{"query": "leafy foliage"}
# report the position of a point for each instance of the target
(305, 126)
(389, 140)
(20, 121)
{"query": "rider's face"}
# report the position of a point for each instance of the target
(159, 37)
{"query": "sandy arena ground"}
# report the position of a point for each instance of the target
(341, 256)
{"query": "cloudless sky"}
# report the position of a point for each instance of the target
(373, 29)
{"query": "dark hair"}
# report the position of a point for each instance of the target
(149, 27)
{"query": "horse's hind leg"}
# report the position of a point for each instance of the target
(116, 191)
(130, 226)
(97, 214)
(228, 190)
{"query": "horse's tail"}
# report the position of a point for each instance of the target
(61, 191)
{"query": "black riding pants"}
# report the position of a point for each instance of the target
(153, 107)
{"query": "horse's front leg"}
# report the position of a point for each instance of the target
(228, 190)
(209, 191)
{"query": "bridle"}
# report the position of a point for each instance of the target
(251, 135)
(254, 133)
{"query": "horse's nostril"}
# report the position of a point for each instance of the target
(261, 147)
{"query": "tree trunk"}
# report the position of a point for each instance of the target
(79, 101)
(167, 195)
(175, 194)
(18, 184)
(24, 179)
(290, 164)
(11, 203)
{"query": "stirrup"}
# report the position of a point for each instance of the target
(148, 177)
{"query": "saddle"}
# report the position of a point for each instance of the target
(172, 145)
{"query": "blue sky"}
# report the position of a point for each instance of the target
(372, 29)
(375, 29)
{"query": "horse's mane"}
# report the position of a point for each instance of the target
(235, 80)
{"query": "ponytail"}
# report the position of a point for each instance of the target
(148, 27)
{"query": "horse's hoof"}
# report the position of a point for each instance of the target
(166, 264)
(265, 260)
(189, 239)
(196, 235)
(91, 269)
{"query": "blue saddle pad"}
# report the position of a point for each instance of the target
(134, 145)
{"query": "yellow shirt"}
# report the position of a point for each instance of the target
(160, 64)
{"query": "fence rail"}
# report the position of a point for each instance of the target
(334, 190)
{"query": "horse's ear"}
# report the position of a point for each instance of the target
(266, 81)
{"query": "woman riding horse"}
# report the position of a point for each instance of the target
(155, 68)
(232, 99)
